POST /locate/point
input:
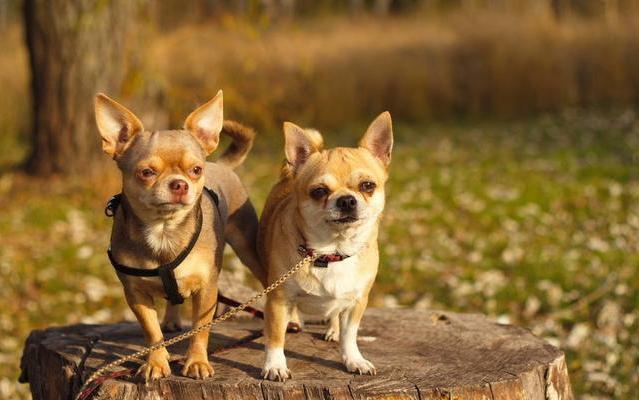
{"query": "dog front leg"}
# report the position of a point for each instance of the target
(157, 362)
(349, 324)
(275, 322)
(197, 362)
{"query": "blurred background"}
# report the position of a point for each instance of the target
(514, 188)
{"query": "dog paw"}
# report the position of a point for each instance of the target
(296, 323)
(279, 374)
(331, 335)
(171, 326)
(197, 367)
(275, 368)
(156, 367)
(361, 366)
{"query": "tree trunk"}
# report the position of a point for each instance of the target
(558, 9)
(76, 49)
(382, 7)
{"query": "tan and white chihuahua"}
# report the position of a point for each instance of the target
(327, 203)
(162, 205)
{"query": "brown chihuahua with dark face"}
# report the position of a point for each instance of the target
(167, 218)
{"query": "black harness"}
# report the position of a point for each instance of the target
(164, 271)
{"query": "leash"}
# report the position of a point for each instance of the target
(86, 390)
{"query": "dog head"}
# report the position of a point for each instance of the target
(162, 171)
(340, 189)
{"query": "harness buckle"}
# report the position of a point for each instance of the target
(304, 251)
(321, 262)
(112, 206)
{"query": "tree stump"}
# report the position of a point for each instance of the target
(418, 354)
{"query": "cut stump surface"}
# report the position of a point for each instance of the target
(418, 355)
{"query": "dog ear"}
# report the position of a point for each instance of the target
(205, 123)
(300, 144)
(117, 125)
(378, 138)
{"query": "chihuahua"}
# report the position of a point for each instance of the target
(327, 204)
(167, 217)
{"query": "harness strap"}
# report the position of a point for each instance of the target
(214, 197)
(165, 271)
(167, 276)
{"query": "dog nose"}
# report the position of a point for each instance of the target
(346, 203)
(179, 186)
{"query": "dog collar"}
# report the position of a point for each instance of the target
(164, 271)
(323, 260)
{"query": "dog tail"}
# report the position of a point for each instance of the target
(242, 141)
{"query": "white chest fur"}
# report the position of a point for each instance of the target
(326, 291)
(162, 234)
(157, 237)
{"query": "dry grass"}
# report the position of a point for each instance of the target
(326, 72)
(333, 71)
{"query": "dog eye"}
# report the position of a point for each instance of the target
(367, 187)
(147, 173)
(197, 171)
(319, 193)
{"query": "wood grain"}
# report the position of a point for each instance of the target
(419, 355)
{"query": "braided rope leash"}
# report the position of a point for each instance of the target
(85, 390)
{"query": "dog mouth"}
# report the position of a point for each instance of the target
(170, 205)
(173, 203)
(344, 220)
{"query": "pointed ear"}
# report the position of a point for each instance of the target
(378, 138)
(205, 123)
(117, 125)
(300, 144)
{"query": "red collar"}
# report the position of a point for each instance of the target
(323, 260)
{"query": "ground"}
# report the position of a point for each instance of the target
(533, 222)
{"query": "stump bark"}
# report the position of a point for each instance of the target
(418, 354)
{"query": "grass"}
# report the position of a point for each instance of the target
(532, 222)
